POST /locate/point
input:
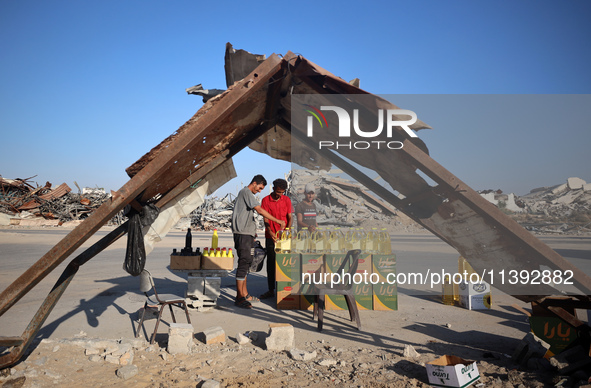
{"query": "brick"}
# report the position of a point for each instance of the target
(214, 335)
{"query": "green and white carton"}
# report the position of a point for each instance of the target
(452, 371)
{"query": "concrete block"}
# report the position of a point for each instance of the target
(211, 288)
(127, 372)
(575, 183)
(180, 338)
(112, 359)
(281, 337)
(214, 335)
(195, 287)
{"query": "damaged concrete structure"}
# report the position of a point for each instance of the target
(255, 111)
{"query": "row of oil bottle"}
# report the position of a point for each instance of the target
(333, 240)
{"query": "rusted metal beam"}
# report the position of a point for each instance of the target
(494, 215)
(142, 180)
(20, 344)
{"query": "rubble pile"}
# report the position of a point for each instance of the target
(22, 199)
(214, 213)
(565, 208)
(344, 202)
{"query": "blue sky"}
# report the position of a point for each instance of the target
(89, 87)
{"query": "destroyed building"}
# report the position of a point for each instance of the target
(256, 111)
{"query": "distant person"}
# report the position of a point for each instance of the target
(306, 210)
(244, 230)
(279, 206)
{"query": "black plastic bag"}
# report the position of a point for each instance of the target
(135, 255)
(258, 258)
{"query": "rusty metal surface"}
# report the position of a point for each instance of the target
(147, 177)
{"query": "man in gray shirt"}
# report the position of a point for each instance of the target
(244, 229)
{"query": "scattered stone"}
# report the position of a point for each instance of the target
(112, 359)
(126, 358)
(127, 372)
(327, 362)
(281, 337)
(242, 339)
(180, 338)
(302, 355)
(210, 384)
(56, 348)
(95, 358)
(253, 336)
(91, 351)
(448, 325)
(214, 335)
(410, 352)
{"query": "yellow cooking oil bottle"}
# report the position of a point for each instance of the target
(385, 245)
(447, 296)
(214, 239)
(372, 241)
(318, 241)
(302, 241)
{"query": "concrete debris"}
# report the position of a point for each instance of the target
(410, 352)
(47, 206)
(281, 337)
(127, 372)
(180, 338)
(242, 339)
(561, 209)
(214, 335)
(210, 384)
(302, 355)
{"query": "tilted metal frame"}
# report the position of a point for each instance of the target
(228, 124)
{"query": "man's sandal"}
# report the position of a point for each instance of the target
(242, 302)
(252, 299)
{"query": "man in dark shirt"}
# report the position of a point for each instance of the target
(306, 210)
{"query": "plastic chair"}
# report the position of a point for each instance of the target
(147, 284)
(345, 288)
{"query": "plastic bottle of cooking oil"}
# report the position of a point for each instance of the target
(372, 241)
(302, 241)
(286, 237)
(230, 254)
(362, 238)
(385, 245)
(318, 241)
(336, 241)
(447, 291)
(349, 239)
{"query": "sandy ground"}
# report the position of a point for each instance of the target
(103, 302)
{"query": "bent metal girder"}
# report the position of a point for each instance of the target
(248, 109)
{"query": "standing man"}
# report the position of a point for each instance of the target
(306, 210)
(244, 229)
(279, 206)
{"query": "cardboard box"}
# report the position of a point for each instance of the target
(311, 262)
(363, 296)
(385, 297)
(383, 265)
(553, 330)
(365, 264)
(285, 299)
(185, 262)
(288, 267)
(475, 296)
(212, 262)
(452, 371)
(333, 261)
